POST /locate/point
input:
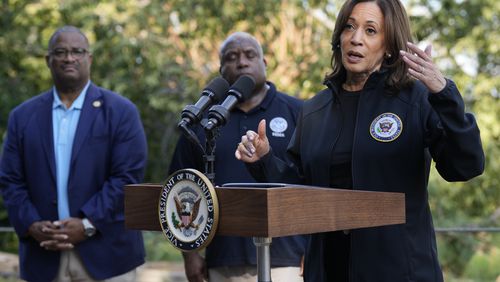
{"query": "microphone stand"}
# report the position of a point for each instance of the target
(209, 153)
(209, 149)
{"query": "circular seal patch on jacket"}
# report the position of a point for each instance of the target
(278, 125)
(386, 127)
(188, 210)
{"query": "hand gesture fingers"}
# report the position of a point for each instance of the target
(72, 228)
(245, 149)
(42, 230)
(253, 144)
(56, 245)
(421, 67)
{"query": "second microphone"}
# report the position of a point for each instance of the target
(240, 91)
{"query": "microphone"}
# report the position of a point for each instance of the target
(212, 93)
(241, 90)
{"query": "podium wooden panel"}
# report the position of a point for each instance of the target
(276, 212)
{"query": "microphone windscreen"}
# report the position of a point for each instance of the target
(219, 87)
(244, 85)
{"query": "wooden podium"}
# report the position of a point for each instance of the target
(264, 213)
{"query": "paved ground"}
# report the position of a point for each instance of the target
(162, 272)
(149, 272)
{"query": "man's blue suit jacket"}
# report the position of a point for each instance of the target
(109, 151)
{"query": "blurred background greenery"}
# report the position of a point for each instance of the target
(161, 53)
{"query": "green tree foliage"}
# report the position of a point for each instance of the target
(160, 54)
(484, 266)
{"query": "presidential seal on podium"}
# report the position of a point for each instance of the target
(188, 210)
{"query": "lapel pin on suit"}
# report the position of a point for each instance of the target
(97, 104)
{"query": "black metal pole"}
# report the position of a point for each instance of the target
(209, 156)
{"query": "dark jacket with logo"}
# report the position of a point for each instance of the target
(433, 125)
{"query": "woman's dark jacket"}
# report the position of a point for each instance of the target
(433, 125)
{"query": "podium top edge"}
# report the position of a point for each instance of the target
(269, 187)
(144, 185)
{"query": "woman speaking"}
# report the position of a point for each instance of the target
(385, 113)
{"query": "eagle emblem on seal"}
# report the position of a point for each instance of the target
(385, 126)
(187, 205)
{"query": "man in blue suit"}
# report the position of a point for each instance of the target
(67, 156)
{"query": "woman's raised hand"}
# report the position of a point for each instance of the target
(253, 145)
(421, 66)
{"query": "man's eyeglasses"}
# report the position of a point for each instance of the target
(61, 53)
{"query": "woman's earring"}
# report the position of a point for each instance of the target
(335, 47)
(388, 55)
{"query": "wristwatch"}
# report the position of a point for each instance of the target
(88, 228)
